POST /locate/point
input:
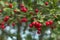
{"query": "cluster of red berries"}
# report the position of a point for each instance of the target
(23, 8)
(37, 25)
(6, 18)
(49, 23)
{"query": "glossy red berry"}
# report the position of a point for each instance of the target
(39, 29)
(10, 5)
(0, 11)
(37, 24)
(51, 22)
(47, 23)
(38, 32)
(24, 19)
(33, 23)
(15, 11)
(46, 3)
(24, 9)
(2, 26)
(6, 18)
(13, 24)
(30, 25)
(36, 10)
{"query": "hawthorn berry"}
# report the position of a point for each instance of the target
(38, 32)
(46, 3)
(36, 10)
(10, 5)
(24, 19)
(33, 23)
(30, 25)
(15, 11)
(0, 11)
(13, 24)
(51, 22)
(24, 9)
(2, 26)
(47, 23)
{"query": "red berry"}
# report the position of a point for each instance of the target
(37, 25)
(39, 29)
(33, 23)
(47, 23)
(2, 26)
(24, 19)
(36, 10)
(24, 9)
(38, 32)
(15, 11)
(6, 18)
(13, 24)
(51, 22)
(30, 25)
(0, 11)
(46, 3)
(10, 5)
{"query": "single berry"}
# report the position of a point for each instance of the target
(10, 5)
(0, 11)
(38, 32)
(6, 18)
(33, 23)
(24, 19)
(24, 9)
(2, 26)
(47, 23)
(15, 11)
(46, 3)
(39, 29)
(36, 10)
(30, 25)
(51, 22)
(13, 24)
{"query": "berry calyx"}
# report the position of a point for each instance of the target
(39, 29)
(15, 11)
(2, 26)
(38, 32)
